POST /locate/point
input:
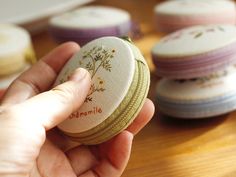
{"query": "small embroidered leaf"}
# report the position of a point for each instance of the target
(198, 35)
(107, 66)
(99, 90)
(98, 57)
(61, 81)
(89, 66)
(94, 48)
(92, 88)
(221, 29)
(102, 89)
(80, 63)
(88, 99)
(104, 51)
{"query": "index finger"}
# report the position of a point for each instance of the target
(40, 76)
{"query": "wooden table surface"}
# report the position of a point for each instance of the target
(170, 147)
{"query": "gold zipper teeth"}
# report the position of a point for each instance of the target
(135, 104)
(113, 126)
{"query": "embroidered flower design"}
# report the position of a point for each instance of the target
(98, 58)
(199, 33)
(194, 33)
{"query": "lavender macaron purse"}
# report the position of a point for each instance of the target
(203, 97)
(90, 22)
(195, 51)
(174, 15)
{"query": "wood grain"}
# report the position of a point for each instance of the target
(169, 147)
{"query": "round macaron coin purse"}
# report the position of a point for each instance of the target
(203, 97)
(195, 51)
(16, 54)
(174, 15)
(90, 22)
(120, 83)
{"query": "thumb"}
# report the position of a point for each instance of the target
(52, 107)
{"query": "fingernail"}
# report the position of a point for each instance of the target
(79, 74)
(131, 136)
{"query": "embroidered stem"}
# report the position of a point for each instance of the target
(102, 62)
(94, 64)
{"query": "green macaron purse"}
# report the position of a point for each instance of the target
(120, 84)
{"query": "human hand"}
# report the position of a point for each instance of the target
(29, 110)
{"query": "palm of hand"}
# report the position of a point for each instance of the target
(103, 160)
